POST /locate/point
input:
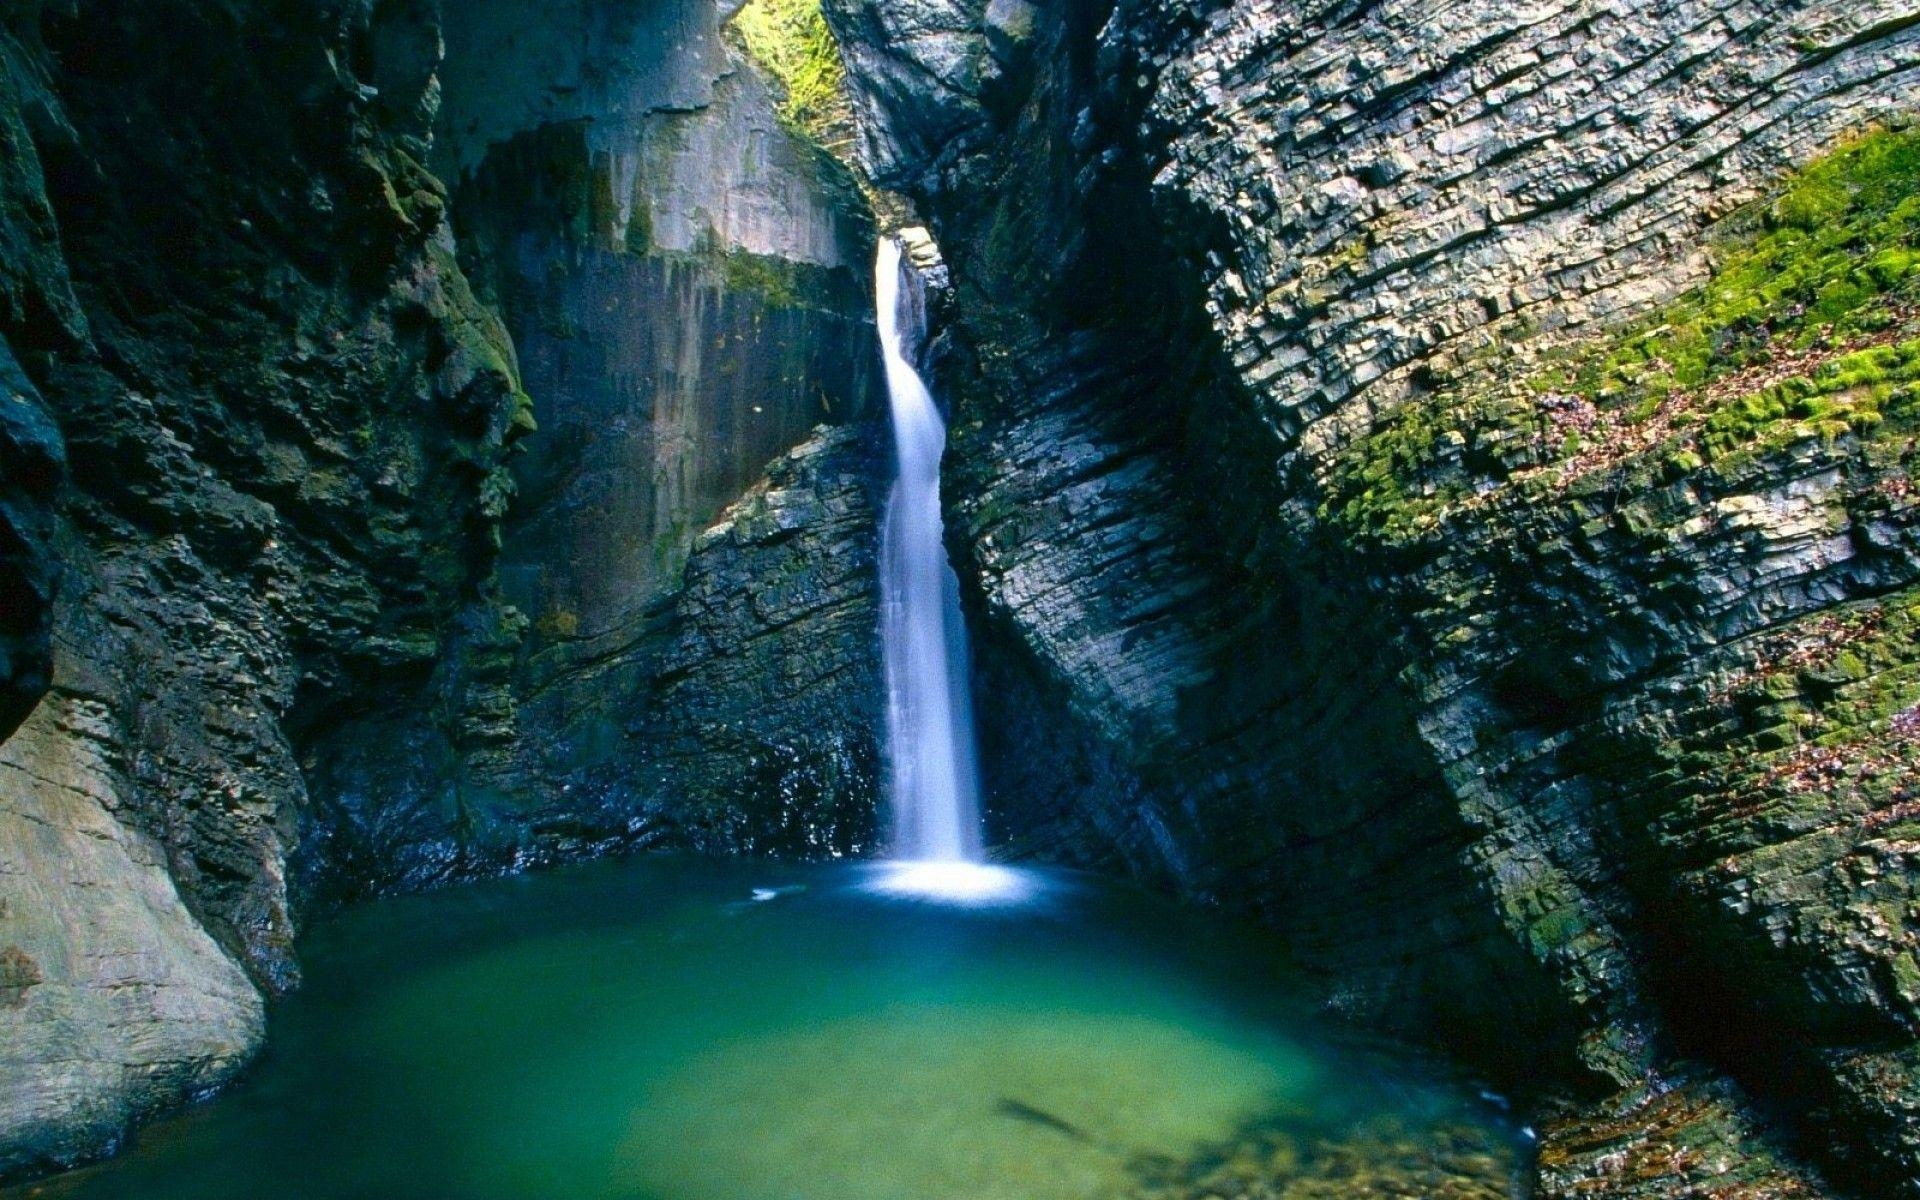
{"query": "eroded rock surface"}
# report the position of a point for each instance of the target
(764, 725)
(113, 999)
(1467, 768)
(684, 279)
(288, 660)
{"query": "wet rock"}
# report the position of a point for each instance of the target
(1464, 769)
(684, 279)
(914, 71)
(766, 726)
(287, 421)
(1692, 1137)
(37, 310)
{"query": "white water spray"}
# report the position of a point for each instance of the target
(936, 790)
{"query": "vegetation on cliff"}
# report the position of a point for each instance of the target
(1807, 329)
(791, 40)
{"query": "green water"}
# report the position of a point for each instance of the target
(678, 1030)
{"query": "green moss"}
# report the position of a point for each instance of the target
(791, 40)
(1853, 393)
(1845, 682)
(780, 282)
(1398, 482)
(1827, 257)
(1810, 282)
(640, 227)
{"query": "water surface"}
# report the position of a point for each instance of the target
(663, 1029)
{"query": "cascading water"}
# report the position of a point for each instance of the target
(936, 790)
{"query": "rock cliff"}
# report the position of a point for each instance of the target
(1434, 476)
(1509, 696)
(287, 421)
(266, 433)
(683, 277)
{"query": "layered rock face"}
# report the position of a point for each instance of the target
(1520, 718)
(288, 659)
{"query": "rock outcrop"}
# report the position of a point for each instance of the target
(266, 436)
(683, 276)
(763, 728)
(1225, 280)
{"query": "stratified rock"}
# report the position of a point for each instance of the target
(1691, 1136)
(1220, 272)
(114, 1001)
(765, 727)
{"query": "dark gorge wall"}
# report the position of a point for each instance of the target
(332, 616)
(684, 278)
(287, 421)
(1510, 702)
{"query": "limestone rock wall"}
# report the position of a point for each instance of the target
(1376, 196)
(1458, 768)
(1109, 481)
(113, 998)
(287, 421)
(1382, 184)
(685, 282)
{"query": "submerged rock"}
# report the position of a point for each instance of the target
(1383, 1157)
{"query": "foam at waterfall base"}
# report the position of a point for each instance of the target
(955, 881)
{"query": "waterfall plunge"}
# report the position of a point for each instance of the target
(936, 790)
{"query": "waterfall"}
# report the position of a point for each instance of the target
(936, 790)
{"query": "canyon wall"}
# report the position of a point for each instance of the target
(287, 422)
(684, 278)
(437, 442)
(299, 604)
(1512, 705)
